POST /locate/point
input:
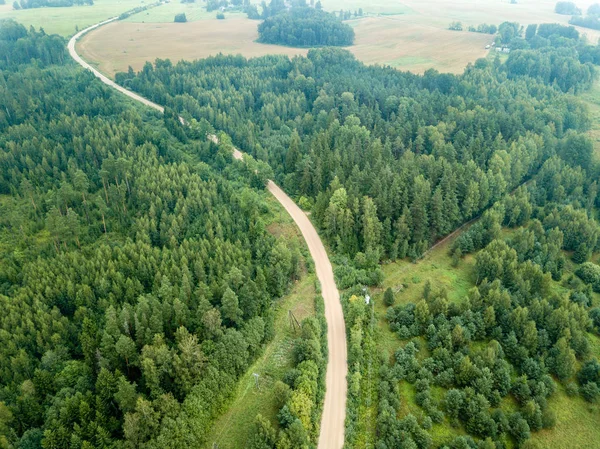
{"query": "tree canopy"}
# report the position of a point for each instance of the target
(305, 27)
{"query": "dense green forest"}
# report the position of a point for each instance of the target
(136, 274)
(390, 162)
(305, 27)
(27, 4)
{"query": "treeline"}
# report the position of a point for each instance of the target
(590, 21)
(17, 46)
(136, 281)
(30, 4)
(305, 27)
(553, 53)
(484, 28)
(567, 8)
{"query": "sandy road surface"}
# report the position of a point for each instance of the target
(334, 411)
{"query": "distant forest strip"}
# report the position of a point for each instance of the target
(30, 4)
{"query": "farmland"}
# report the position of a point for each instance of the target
(409, 35)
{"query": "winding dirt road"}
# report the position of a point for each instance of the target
(334, 411)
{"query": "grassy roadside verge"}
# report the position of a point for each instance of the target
(234, 427)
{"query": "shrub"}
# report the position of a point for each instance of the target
(590, 391)
(567, 8)
(590, 274)
(388, 298)
(180, 18)
(220, 16)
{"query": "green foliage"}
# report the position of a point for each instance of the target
(567, 8)
(180, 18)
(388, 297)
(28, 4)
(137, 281)
(455, 26)
(305, 27)
(590, 274)
(363, 143)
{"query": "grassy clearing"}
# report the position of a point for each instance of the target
(233, 428)
(64, 21)
(576, 424)
(576, 420)
(408, 279)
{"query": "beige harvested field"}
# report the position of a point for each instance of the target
(408, 34)
(118, 45)
(383, 40)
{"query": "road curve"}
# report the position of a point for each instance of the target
(334, 411)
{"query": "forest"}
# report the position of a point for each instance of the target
(305, 27)
(390, 162)
(137, 277)
(28, 4)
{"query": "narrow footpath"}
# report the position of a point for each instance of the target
(334, 411)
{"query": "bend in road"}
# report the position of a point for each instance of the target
(334, 410)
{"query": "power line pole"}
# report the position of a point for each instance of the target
(294, 323)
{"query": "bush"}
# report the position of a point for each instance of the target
(180, 18)
(220, 16)
(388, 298)
(590, 274)
(567, 8)
(572, 389)
(590, 391)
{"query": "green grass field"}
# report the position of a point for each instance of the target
(64, 21)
